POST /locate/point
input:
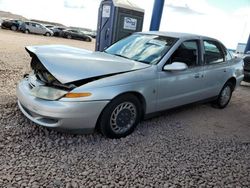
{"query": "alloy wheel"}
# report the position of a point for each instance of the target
(123, 117)
(225, 95)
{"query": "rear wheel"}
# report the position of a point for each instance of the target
(120, 116)
(69, 37)
(88, 40)
(224, 96)
(47, 34)
(27, 31)
(13, 28)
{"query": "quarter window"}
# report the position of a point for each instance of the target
(229, 56)
(213, 53)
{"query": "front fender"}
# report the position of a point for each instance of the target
(146, 88)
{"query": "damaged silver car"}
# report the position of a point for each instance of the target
(78, 90)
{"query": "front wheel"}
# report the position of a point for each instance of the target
(26, 31)
(224, 96)
(120, 116)
(13, 28)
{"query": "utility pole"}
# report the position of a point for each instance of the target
(156, 15)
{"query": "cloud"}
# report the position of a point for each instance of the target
(197, 7)
(190, 16)
(79, 4)
(184, 9)
(199, 17)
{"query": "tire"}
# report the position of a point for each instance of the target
(47, 34)
(13, 28)
(120, 117)
(69, 37)
(224, 96)
(88, 40)
(27, 31)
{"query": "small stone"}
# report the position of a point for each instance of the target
(121, 183)
(98, 185)
(85, 173)
(18, 178)
(102, 180)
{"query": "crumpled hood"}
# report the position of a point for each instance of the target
(68, 64)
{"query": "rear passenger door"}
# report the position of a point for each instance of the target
(215, 67)
(78, 35)
(40, 29)
(33, 28)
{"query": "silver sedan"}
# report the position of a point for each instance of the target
(145, 73)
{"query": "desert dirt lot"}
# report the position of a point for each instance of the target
(192, 146)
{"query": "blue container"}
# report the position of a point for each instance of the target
(247, 49)
(117, 19)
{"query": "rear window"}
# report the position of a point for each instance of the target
(213, 52)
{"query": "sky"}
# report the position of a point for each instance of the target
(226, 20)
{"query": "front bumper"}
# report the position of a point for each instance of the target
(73, 116)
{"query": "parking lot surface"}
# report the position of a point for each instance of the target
(192, 146)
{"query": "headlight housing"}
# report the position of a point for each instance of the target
(48, 93)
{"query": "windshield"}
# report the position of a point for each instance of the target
(143, 48)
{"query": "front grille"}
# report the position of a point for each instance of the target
(41, 76)
(247, 67)
(33, 81)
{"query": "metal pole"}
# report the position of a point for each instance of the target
(156, 15)
(247, 49)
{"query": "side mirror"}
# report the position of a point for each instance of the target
(175, 66)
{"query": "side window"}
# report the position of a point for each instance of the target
(187, 52)
(213, 52)
(33, 24)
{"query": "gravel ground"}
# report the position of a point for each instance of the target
(193, 146)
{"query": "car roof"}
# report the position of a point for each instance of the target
(33, 22)
(59, 27)
(177, 34)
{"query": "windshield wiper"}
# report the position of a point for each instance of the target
(119, 55)
(142, 61)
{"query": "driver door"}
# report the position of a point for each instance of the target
(178, 88)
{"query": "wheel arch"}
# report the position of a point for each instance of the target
(138, 95)
(233, 81)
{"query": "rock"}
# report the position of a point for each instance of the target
(121, 183)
